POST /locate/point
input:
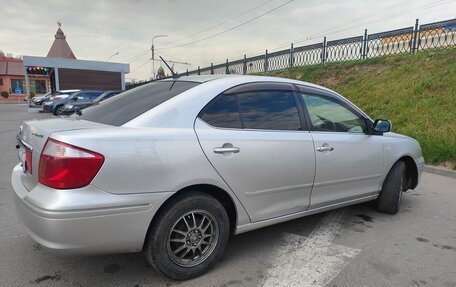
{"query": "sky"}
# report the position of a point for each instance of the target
(98, 29)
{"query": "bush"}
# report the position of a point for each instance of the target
(5, 94)
(32, 94)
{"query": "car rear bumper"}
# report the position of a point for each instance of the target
(85, 220)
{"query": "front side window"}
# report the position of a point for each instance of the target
(223, 113)
(272, 110)
(326, 114)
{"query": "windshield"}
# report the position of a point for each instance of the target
(105, 95)
(128, 105)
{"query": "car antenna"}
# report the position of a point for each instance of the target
(172, 72)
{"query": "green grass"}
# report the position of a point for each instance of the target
(416, 92)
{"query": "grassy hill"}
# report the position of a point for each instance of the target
(416, 92)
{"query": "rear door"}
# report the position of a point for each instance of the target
(349, 161)
(258, 143)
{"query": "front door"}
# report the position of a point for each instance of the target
(349, 161)
(256, 142)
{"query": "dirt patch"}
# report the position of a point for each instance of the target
(421, 239)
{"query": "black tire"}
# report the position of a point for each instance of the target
(160, 245)
(58, 110)
(389, 199)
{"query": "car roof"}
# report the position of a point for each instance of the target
(200, 78)
(69, 91)
(90, 91)
(244, 79)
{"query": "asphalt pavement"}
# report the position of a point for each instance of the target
(353, 246)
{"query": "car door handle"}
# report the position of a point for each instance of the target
(325, 148)
(226, 149)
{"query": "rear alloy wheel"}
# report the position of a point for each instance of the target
(188, 236)
(389, 199)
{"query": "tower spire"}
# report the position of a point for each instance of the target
(60, 47)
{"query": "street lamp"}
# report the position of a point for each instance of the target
(153, 56)
(115, 54)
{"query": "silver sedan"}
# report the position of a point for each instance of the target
(172, 168)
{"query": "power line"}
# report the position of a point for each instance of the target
(408, 11)
(331, 31)
(137, 57)
(140, 66)
(221, 23)
(230, 29)
(168, 55)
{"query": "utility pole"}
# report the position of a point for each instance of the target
(152, 49)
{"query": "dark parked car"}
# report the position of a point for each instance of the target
(70, 108)
(56, 106)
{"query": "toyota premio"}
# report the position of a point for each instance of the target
(173, 167)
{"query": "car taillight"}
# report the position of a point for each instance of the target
(67, 166)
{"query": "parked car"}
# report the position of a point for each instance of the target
(70, 108)
(175, 166)
(48, 96)
(63, 94)
(56, 106)
(38, 100)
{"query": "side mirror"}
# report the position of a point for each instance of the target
(381, 126)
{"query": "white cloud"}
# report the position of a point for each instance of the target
(97, 29)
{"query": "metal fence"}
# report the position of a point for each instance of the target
(407, 40)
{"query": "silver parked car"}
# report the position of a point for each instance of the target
(172, 168)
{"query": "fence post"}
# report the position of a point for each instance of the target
(212, 68)
(415, 38)
(323, 51)
(291, 56)
(244, 67)
(364, 53)
(199, 71)
(266, 62)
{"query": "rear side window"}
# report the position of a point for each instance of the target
(123, 108)
(223, 113)
(272, 110)
(87, 95)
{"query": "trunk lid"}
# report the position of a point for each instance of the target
(32, 137)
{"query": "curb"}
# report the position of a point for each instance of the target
(440, 171)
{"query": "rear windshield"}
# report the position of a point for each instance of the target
(123, 108)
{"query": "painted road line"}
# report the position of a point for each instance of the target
(310, 261)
